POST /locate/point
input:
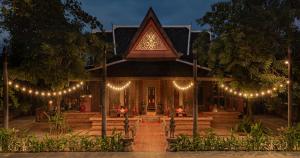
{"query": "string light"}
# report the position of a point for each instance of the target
(191, 84)
(252, 95)
(25, 89)
(118, 88)
(286, 62)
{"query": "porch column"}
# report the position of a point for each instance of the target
(136, 96)
(121, 99)
(180, 98)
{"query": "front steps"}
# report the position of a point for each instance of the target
(150, 118)
(112, 125)
(225, 120)
(79, 120)
(184, 125)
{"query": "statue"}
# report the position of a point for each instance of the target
(172, 126)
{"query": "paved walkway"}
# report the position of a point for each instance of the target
(214, 154)
(272, 122)
(150, 137)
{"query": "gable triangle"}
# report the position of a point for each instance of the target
(150, 41)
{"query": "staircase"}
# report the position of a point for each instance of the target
(151, 108)
(112, 125)
(150, 118)
(184, 125)
(225, 120)
(79, 120)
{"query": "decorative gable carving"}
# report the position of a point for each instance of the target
(151, 42)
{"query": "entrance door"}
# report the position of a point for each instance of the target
(151, 99)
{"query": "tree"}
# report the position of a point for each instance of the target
(250, 41)
(47, 39)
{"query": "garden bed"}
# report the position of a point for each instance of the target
(13, 141)
(287, 139)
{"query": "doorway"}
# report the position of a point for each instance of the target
(151, 100)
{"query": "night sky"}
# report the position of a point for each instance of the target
(132, 12)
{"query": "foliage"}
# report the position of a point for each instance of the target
(13, 101)
(48, 43)
(257, 140)
(13, 141)
(245, 45)
(290, 137)
(244, 125)
(58, 124)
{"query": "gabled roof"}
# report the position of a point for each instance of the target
(151, 41)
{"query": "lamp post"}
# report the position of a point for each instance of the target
(5, 90)
(103, 107)
(195, 102)
(290, 86)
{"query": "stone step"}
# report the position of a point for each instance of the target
(96, 128)
(188, 128)
(108, 133)
(190, 124)
(112, 123)
(150, 118)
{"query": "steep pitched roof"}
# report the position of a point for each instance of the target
(151, 41)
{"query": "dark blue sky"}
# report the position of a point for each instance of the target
(131, 12)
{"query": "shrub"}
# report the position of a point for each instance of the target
(183, 143)
(8, 140)
(258, 139)
(13, 141)
(244, 125)
(58, 124)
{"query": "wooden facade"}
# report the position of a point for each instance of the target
(151, 57)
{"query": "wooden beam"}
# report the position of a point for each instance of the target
(161, 78)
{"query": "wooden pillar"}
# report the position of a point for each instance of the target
(180, 97)
(136, 96)
(121, 97)
(141, 97)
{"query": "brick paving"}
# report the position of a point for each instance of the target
(208, 154)
(150, 137)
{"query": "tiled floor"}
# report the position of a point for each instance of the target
(150, 137)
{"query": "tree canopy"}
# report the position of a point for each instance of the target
(48, 40)
(250, 40)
